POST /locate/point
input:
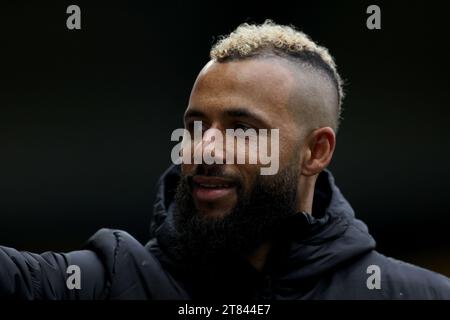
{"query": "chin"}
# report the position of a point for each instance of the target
(214, 212)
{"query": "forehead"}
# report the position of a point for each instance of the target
(262, 85)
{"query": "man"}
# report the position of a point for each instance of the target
(224, 230)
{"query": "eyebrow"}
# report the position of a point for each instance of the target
(192, 113)
(236, 112)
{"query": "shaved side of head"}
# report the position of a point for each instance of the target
(318, 92)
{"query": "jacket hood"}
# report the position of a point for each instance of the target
(317, 243)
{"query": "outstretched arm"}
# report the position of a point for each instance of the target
(25, 275)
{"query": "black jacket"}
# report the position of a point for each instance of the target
(326, 256)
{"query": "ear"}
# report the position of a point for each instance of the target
(318, 150)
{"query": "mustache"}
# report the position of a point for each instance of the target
(214, 171)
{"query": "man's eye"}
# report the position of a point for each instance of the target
(242, 126)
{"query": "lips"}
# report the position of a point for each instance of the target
(207, 188)
(212, 182)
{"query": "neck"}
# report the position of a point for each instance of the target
(305, 194)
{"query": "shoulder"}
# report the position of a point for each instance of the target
(412, 281)
(375, 276)
(111, 242)
(133, 271)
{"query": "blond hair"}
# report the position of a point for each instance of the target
(250, 40)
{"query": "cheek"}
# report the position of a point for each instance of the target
(249, 174)
(290, 152)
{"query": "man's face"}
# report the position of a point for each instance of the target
(251, 93)
(231, 207)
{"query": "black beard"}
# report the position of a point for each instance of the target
(256, 218)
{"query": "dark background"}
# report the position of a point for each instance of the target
(86, 116)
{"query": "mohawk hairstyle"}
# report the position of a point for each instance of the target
(269, 38)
